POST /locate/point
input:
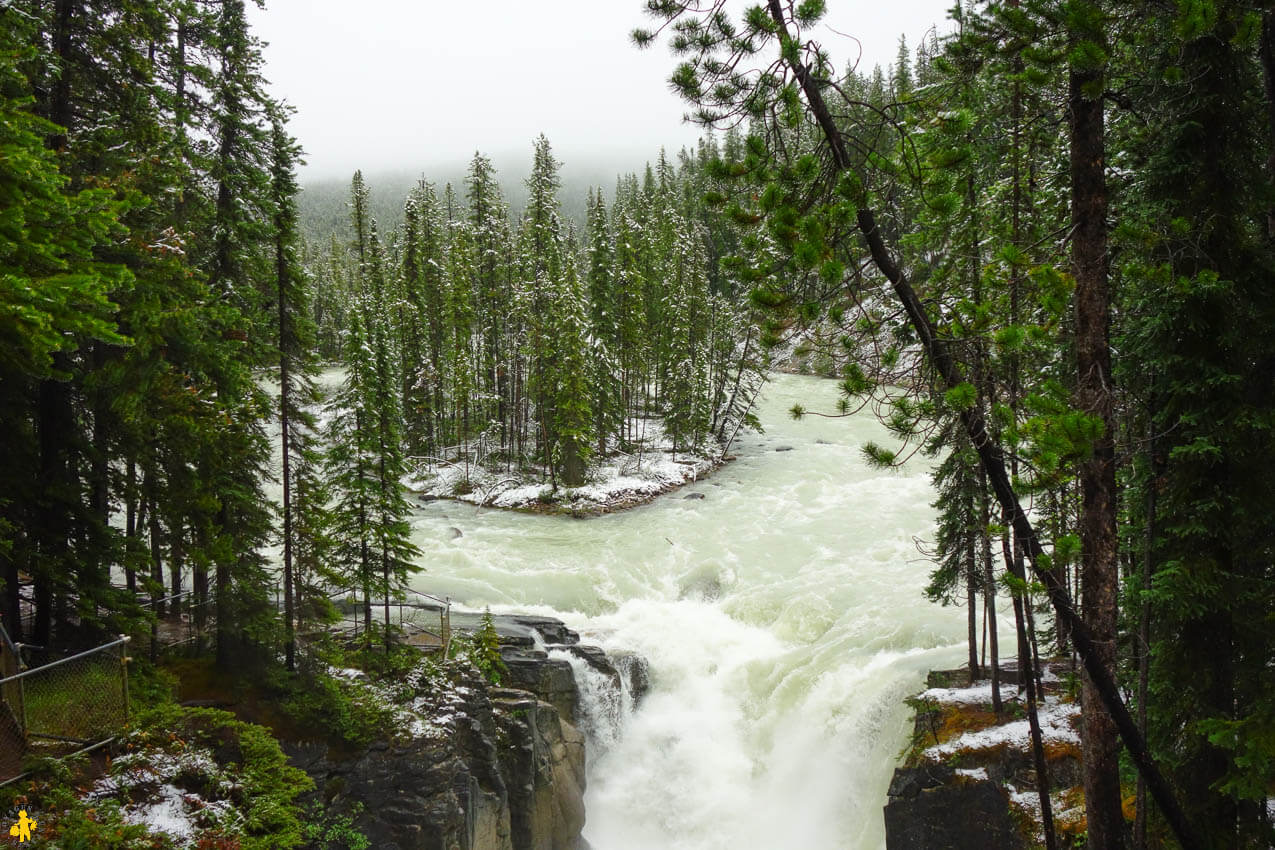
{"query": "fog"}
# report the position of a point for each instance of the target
(394, 85)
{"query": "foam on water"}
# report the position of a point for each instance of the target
(784, 623)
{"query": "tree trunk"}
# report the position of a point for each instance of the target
(989, 593)
(223, 602)
(12, 612)
(53, 520)
(153, 530)
(55, 422)
(1029, 677)
(175, 563)
(1099, 575)
(97, 566)
(572, 464)
(971, 590)
(385, 570)
(1144, 617)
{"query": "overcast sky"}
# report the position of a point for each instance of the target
(402, 84)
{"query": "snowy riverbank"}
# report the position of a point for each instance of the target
(622, 480)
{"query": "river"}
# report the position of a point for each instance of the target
(782, 615)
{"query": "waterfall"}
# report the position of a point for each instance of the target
(783, 618)
(605, 703)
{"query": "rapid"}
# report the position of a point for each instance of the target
(782, 616)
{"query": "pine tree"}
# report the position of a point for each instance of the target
(461, 317)
(604, 366)
(572, 424)
(296, 344)
(350, 464)
(489, 230)
(55, 298)
(389, 510)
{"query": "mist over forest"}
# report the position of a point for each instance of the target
(324, 200)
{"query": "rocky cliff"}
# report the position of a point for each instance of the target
(968, 781)
(482, 767)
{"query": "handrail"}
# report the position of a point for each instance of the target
(439, 600)
(144, 602)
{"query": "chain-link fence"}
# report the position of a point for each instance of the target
(79, 700)
(12, 737)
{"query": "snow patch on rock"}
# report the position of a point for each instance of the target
(1057, 721)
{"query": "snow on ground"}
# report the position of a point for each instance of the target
(1028, 801)
(176, 812)
(434, 715)
(351, 673)
(620, 479)
(1056, 725)
(147, 767)
(415, 716)
(164, 806)
(976, 695)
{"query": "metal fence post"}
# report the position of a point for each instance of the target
(445, 626)
(124, 659)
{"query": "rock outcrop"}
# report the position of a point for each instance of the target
(422, 792)
(934, 808)
(550, 679)
(969, 778)
(543, 760)
(486, 768)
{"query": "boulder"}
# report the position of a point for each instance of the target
(550, 629)
(931, 808)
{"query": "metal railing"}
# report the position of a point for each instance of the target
(415, 619)
(186, 620)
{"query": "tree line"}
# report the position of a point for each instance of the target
(546, 346)
(146, 182)
(156, 284)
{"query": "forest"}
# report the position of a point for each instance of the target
(1039, 249)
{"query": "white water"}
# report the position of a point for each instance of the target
(782, 617)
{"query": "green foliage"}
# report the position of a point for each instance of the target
(482, 649)
(960, 397)
(342, 710)
(218, 758)
(54, 293)
(327, 830)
